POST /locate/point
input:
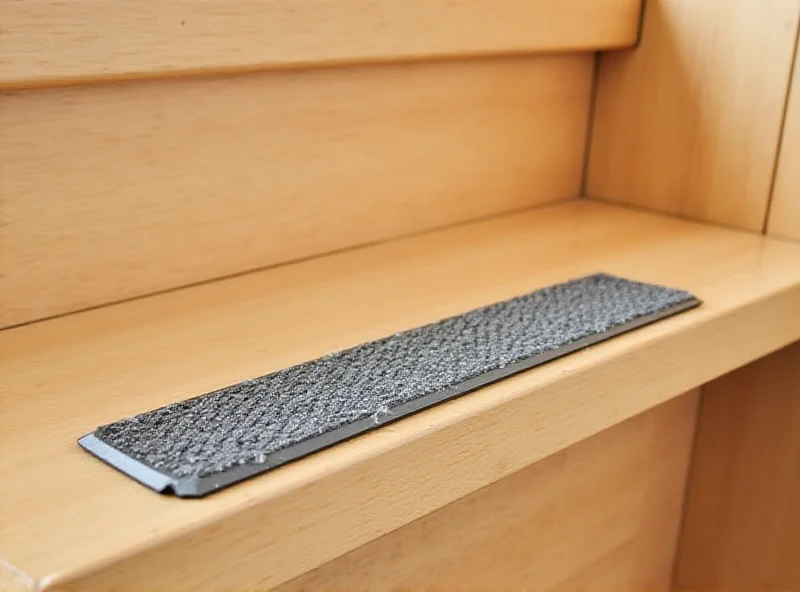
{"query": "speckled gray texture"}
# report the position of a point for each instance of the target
(242, 424)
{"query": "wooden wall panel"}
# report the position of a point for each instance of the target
(601, 515)
(67, 41)
(689, 122)
(784, 217)
(115, 191)
(742, 524)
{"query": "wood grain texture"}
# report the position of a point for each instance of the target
(124, 190)
(50, 42)
(601, 515)
(742, 524)
(12, 580)
(689, 122)
(70, 520)
(784, 216)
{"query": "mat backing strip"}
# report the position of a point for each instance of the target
(202, 484)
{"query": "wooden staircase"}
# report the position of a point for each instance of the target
(196, 193)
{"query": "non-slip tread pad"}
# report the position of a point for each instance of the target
(221, 437)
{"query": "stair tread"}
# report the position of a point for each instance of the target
(68, 518)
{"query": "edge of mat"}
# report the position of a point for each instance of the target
(200, 486)
(125, 464)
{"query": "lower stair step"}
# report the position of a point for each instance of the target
(78, 525)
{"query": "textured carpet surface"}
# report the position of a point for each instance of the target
(241, 424)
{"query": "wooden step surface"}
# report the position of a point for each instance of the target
(68, 521)
(57, 42)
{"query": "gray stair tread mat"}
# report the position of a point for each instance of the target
(200, 445)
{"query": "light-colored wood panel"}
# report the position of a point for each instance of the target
(689, 122)
(70, 519)
(742, 524)
(68, 41)
(601, 515)
(784, 217)
(115, 191)
(640, 564)
(12, 580)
